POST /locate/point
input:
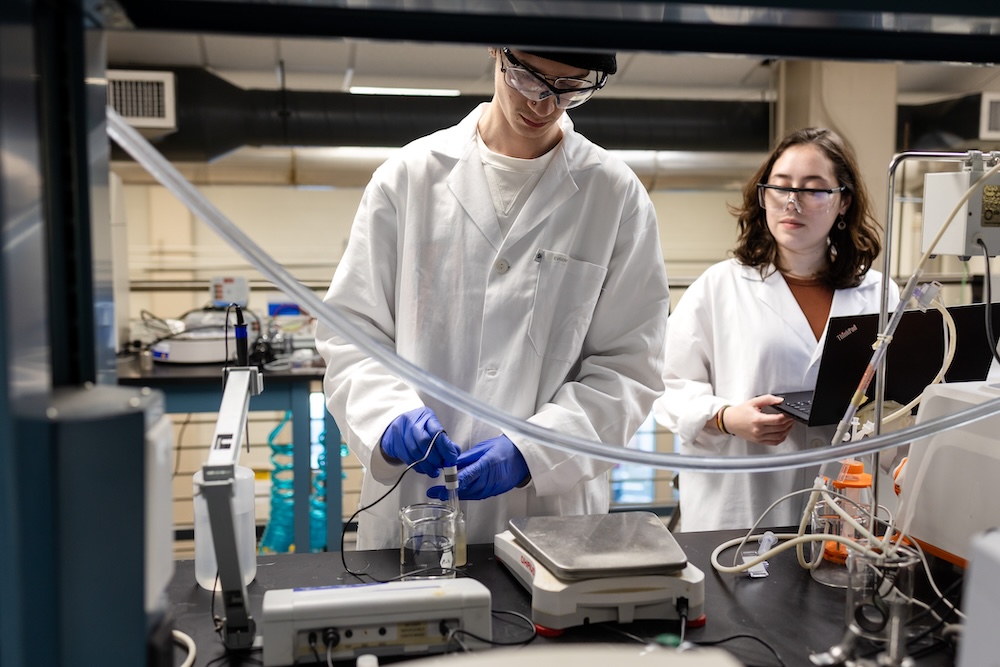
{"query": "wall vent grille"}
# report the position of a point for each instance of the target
(145, 99)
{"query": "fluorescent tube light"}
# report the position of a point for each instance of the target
(417, 92)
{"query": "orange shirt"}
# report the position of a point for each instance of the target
(815, 300)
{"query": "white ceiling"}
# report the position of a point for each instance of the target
(335, 64)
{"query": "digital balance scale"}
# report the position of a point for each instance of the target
(618, 567)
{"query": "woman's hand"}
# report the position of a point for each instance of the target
(754, 422)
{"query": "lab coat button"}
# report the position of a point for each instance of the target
(816, 442)
(502, 266)
(491, 372)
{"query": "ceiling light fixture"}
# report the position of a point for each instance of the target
(413, 92)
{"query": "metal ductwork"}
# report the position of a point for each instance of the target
(215, 117)
(965, 123)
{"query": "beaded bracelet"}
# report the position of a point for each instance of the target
(719, 423)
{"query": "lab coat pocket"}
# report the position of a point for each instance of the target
(566, 294)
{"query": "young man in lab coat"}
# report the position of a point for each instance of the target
(519, 262)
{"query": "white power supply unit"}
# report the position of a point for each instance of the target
(978, 218)
(395, 618)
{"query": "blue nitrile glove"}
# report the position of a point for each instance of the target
(410, 434)
(490, 468)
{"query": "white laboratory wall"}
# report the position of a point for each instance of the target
(306, 230)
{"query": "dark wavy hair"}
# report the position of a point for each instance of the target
(852, 250)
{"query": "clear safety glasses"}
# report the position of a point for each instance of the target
(568, 91)
(805, 200)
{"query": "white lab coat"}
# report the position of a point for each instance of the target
(561, 323)
(734, 336)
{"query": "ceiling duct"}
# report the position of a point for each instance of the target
(215, 117)
(965, 123)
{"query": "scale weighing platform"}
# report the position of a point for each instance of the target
(596, 568)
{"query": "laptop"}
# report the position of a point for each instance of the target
(913, 359)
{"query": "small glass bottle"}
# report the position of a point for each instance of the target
(451, 484)
(855, 483)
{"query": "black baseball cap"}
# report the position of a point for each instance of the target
(595, 60)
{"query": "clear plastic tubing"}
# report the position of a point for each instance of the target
(168, 176)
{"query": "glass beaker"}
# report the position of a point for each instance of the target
(879, 592)
(427, 541)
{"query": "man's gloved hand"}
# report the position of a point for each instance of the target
(409, 436)
(490, 468)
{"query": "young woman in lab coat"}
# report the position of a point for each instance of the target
(754, 324)
(518, 261)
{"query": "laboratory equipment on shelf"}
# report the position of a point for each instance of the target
(201, 339)
(618, 567)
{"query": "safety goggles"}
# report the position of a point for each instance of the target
(805, 200)
(568, 91)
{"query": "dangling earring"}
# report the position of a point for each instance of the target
(841, 225)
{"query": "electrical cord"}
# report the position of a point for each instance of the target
(614, 628)
(988, 305)
(177, 447)
(343, 557)
(682, 613)
(312, 645)
(943, 598)
(716, 642)
(520, 642)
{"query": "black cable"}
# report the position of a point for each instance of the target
(216, 622)
(225, 335)
(240, 333)
(312, 645)
(614, 628)
(180, 439)
(988, 306)
(745, 636)
(939, 601)
(343, 558)
(148, 318)
(682, 613)
(937, 645)
(519, 642)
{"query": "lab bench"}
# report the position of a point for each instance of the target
(189, 388)
(787, 610)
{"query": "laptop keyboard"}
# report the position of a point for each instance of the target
(804, 405)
